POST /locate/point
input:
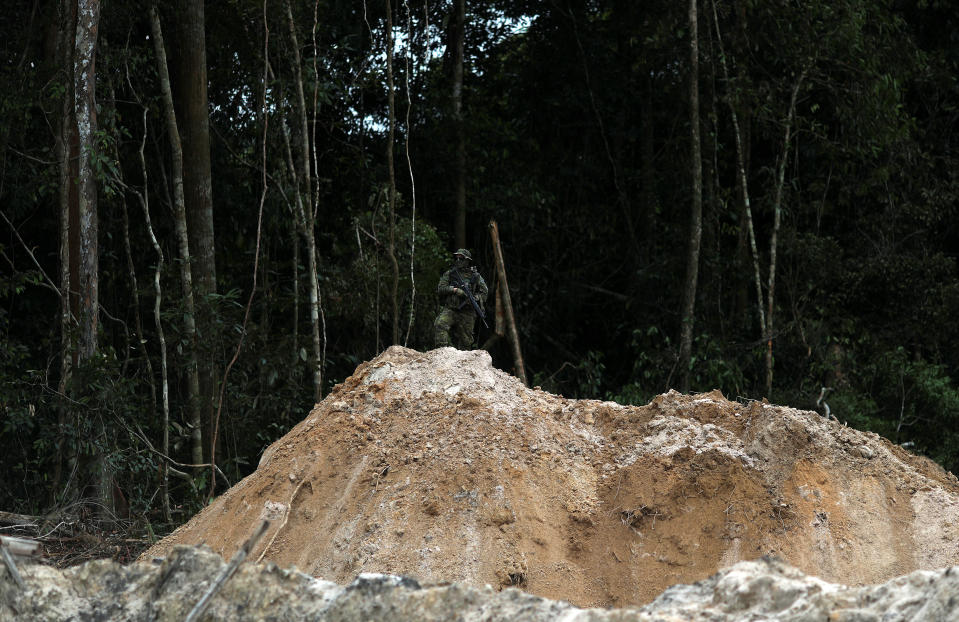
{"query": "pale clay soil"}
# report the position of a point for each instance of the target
(437, 466)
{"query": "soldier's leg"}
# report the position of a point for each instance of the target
(463, 330)
(441, 329)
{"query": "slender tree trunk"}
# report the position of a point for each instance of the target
(84, 76)
(766, 304)
(296, 297)
(194, 126)
(67, 157)
(773, 241)
(696, 212)
(459, 218)
(183, 242)
(157, 301)
(304, 145)
(391, 248)
(410, 56)
(131, 267)
(85, 114)
(304, 227)
(135, 292)
(306, 206)
(648, 174)
(743, 180)
(714, 204)
(307, 229)
(193, 123)
(316, 192)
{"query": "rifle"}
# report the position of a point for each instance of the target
(459, 281)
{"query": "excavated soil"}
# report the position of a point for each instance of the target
(440, 467)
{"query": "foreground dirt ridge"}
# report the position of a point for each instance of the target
(439, 467)
(765, 589)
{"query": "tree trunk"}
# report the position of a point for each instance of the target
(410, 61)
(161, 338)
(743, 180)
(777, 217)
(193, 123)
(85, 115)
(305, 205)
(696, 211)
(304, 171)
(648, 174)
(459, 218)
(84, 77)
(391, 248)
(141, 340)
(183, 243)
(67, 156)
(296, 300)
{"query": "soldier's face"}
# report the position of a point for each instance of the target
(460, 262)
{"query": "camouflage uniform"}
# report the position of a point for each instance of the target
(454, 324)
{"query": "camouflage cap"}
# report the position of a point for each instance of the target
(465, 253)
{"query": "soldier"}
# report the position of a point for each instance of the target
(454, 324)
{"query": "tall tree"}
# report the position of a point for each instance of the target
(696, 203)
(67, 158)
(457, 33)
(306, 198)
(774, 236)
(193, 121)
(183, 243)
(86, 223)
(742, 180)
(84, 78)
(390, 147)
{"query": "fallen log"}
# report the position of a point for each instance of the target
(10, 519)
(20, 547)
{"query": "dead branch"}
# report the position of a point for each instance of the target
(286, 517)
(201, 606)
(9, 519)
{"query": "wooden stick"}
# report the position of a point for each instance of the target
(500, 314)
(286, 517)
(200, 607)
(12, 567)
(507, 304)
(499, 327)
(21, 547)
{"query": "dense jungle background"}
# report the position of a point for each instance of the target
(212, 212)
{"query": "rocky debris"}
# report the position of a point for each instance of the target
(437, 466)
(765, 589)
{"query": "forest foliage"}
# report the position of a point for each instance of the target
(575, 130)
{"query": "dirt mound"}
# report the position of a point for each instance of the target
(437, 466)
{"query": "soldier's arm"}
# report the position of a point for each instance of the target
(444, 288)
(483, 292)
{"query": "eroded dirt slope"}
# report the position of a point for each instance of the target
(437, 466)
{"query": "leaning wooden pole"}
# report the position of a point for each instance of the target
(507, 304)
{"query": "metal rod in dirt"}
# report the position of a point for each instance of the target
(200, 607)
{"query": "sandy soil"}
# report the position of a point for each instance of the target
(438, 466)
